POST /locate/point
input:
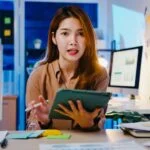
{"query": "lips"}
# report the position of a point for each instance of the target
(72, 51)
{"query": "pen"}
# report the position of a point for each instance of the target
(34, 106)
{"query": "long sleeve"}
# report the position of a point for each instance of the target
(32, 93)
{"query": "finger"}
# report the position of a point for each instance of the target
(44, 106)
(64, 108)
(73, 108)
(101, 123)
(42, 99)
(42, 117)
(74, 124)
(42, 109)
(102, 114)
(61, 112)
(30, 104)
(80, 106)
(33, 102)
(96, 112)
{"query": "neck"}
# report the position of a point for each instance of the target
(68, 68)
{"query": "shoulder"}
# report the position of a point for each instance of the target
(104, 73)
(37, 71)
(40, 72)
(45, 68)
(101, 73)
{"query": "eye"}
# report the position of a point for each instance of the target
(64, 33)
(81, 33)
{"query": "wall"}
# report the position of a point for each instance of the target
(128, 18)
(144, 90)
(102, 20)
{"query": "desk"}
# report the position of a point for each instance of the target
(108, 135)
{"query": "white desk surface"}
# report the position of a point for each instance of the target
(123, 104)
(109, 135)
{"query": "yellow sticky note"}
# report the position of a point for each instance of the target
(7, 32)
(51, 132)
(62, 136)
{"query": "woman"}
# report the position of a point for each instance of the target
(70, 62)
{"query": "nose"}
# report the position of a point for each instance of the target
(73, 40)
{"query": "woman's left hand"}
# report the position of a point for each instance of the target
(79, 114)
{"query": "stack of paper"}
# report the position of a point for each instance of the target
(138, 129)
(25, 135)
(49, 134)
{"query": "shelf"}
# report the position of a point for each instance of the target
(33, 56)
(8, 46)
(35, 52)
(33, 49)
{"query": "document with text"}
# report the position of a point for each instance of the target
(129, 145)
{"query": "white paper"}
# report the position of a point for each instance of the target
(126, 145)
(138, 125)
(3, 135)
(147, 144)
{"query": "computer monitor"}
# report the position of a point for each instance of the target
(125, 67)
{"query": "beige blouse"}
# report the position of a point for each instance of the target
(47, 79)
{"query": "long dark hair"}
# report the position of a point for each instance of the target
(88, 64)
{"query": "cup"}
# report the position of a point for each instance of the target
(37, 43)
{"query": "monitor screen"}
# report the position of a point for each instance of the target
(125, 67)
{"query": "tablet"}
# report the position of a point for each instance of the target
(90, 100)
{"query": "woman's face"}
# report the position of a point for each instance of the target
(70, 40)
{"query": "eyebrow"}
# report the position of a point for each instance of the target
(66, 29)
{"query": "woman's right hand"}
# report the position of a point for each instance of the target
(40, 113)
